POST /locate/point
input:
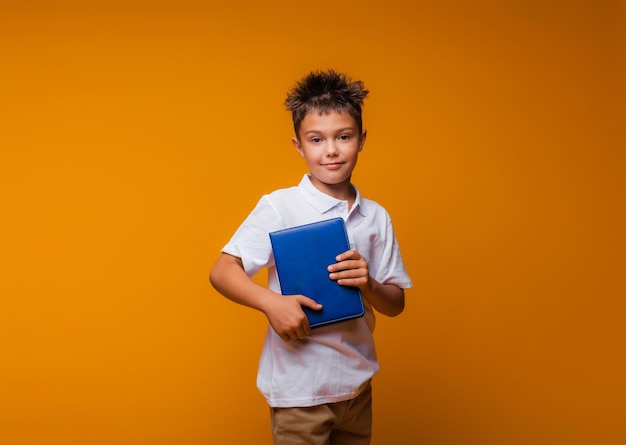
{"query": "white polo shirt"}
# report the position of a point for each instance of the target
(336, 361)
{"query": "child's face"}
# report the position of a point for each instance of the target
(330, 144)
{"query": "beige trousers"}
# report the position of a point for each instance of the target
(340, 423)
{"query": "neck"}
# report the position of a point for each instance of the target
(343, 191)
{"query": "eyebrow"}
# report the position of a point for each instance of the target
(337, 131)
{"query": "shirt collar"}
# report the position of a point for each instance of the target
(323, 202)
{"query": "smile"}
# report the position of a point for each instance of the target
(333, 166)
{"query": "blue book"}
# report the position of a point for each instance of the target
(302, 255)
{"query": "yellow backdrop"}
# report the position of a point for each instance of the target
(135, 137)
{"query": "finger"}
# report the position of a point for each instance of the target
(347, 255)
(309, 302)
(289, 335)
(348, 265)
(348, 273)
(296, 334)
(301, 333)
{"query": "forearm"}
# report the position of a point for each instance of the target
(387, 299)
(230, 279)
(284, 313)
(351, 269)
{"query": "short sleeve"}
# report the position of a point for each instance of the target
(392, 270)
(251, 241)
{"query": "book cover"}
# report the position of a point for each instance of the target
(302, 255)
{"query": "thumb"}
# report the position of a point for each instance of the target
(309, 302)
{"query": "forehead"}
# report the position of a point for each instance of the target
(318, 120)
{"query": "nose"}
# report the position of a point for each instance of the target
(331, 148)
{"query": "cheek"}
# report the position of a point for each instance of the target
(311, 154)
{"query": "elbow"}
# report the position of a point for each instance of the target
(222, 271)
(397, 309)
(389, 300)
(215, 275)
(398, 306)
(216, 278)
(212, 278)
(392, 309)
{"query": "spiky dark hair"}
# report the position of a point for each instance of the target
(326, 91)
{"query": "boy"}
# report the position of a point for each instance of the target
(317, 382)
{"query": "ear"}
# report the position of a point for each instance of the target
(298, 146)
(362, 141)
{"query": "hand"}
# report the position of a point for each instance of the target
(287, 318)
(351, 269)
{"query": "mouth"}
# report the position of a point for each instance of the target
(333, 165)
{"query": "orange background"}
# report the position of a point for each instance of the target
(136, 136)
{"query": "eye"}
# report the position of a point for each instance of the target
(344, 137)
(316, 140)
